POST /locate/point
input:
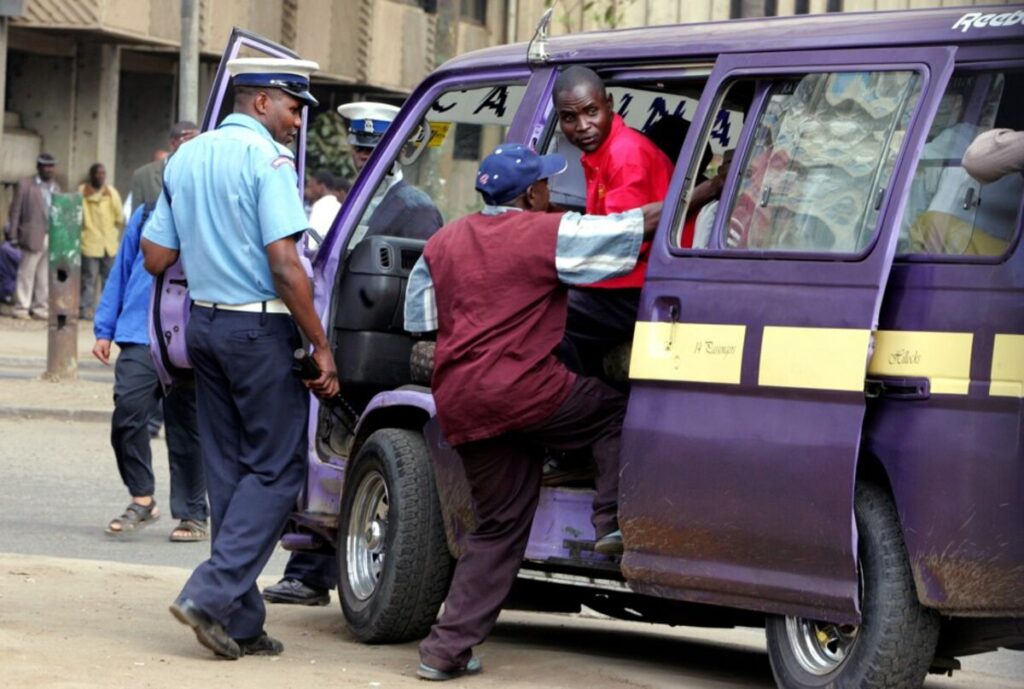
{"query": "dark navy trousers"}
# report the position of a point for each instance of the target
(252, 426)
(313, 569)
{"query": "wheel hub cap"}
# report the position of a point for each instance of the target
(820, 647)
(366, 540)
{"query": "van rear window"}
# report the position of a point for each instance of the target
(823, 151)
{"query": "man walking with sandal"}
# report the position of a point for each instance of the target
(122, 318)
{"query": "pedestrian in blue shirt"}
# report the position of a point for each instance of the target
(122, 317)
(231, 210)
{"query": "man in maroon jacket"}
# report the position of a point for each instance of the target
(494, 285)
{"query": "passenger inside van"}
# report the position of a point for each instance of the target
(623, 170)
(704, 217)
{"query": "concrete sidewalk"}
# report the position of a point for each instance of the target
(24, 393)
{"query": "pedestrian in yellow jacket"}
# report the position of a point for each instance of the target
(102, 224)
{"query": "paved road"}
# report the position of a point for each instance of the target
(59, 488)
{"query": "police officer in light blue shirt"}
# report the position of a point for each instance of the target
(231, 211)
(396, 209)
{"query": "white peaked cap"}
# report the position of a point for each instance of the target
(287, 74)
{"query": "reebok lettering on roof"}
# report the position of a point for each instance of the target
(979, 20)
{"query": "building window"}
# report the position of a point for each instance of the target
(474, 10)
(467, 141)
(429, 6)
(742, 9)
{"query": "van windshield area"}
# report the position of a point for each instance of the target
(949, 213)
(441, 157)
(430, 182)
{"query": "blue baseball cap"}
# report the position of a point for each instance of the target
(506, 173)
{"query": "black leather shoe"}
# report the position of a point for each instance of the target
(209, 632)
(432, 674)
(294, 592)
(261, 645)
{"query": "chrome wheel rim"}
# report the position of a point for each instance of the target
(365, 543)
(820, 647)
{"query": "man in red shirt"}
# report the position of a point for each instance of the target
(624, 169)
(494, 285)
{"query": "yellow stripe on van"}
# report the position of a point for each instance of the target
(943, 358)
(813, 358)
(1007, 379)
(691, 352)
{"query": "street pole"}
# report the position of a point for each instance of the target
(188, 72)
(65, 285)
(446, 39)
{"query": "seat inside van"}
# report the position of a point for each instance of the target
(371, 346)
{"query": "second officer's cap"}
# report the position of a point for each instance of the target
(367, 121)
(288, 75)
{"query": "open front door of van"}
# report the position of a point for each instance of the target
(169, 308)
(748, 365)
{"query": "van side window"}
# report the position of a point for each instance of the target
(949, 213)
(823, 151)
(433, 179)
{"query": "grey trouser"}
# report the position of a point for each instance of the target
(92, 269)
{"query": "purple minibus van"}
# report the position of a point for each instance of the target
(824, 435)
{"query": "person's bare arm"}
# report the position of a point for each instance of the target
(652, 215)
(705, 192)
(292, 285)
(156, 258)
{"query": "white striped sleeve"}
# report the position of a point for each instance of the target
(592, 248)
(420, 304)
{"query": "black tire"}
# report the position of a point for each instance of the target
(895, 643)
(421, 362)
(414, 571)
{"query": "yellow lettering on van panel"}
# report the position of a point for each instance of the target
(943, 358)
(813, 358)
(1007, 379)
(690, 352)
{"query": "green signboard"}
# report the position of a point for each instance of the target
(66, 230)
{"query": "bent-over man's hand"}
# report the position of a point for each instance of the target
(101, 350)
(326, 386)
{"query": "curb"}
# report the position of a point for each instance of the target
(40, 362)
(81, 415)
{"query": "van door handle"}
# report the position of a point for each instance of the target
(898, 388)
